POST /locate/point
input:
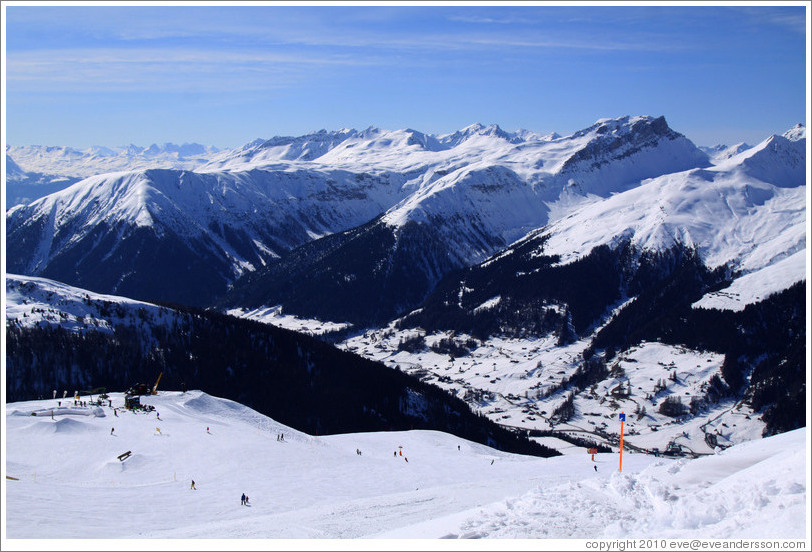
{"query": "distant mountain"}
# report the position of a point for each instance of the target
(720, 152)
(25, 187)
(373, 148)
(13, 170)
(68, 161)
(280, 149)
(37, 171)
(746, 217)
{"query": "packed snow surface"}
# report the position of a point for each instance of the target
(66, 480)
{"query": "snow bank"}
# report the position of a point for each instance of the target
(755, 490)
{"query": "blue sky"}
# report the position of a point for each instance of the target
(225, 75)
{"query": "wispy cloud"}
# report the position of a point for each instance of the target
(490, 20)
(162, 69)
(414, 29)
(440, 43)
(793, 19)
(167, 56)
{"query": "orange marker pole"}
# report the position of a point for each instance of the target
(622, 421)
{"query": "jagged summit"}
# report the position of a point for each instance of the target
(478, 129)
(626, 124)
(796, 133)
(183, 150)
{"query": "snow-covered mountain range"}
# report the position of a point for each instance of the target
(33, 172)
(68, 161)
(465, 195)
(548, 281)
(725, 210)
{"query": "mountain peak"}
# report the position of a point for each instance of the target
(471, 129)
(653, 145)
(796, 133)
(477, 129)
(777, 160)
(641, 124)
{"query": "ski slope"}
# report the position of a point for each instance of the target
(69, 484)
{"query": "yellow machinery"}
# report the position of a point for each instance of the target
(155, 387)
(143, 388)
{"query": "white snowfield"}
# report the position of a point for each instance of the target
(64, 480)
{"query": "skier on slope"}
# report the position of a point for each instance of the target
(242, 500)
